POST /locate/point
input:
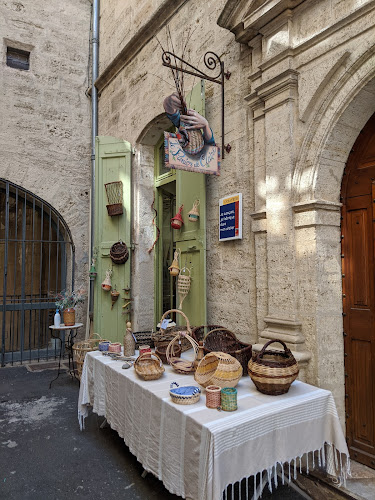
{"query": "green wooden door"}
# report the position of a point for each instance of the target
(191, 239)
(113, 163)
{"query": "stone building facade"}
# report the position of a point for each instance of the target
(301, 90)
(45, 133)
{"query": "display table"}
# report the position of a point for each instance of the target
(197, 452)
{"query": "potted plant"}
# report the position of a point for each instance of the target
(66, 302)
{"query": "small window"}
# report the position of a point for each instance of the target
(17, 58)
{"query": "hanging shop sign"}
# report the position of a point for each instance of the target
(207, 161)
(230, 217)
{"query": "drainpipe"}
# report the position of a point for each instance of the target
(94, 127)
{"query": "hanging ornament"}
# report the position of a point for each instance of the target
(174, 269)
(114, 296)
(106, 284)
(177, 221)
(92, 272)
(194, 212)
(183, 285)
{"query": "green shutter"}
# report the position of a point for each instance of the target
(113, 163)
(191, 239)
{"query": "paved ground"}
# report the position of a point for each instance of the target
(44, 456)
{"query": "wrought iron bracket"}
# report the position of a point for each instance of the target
(211, 61)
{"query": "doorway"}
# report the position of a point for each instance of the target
(358, 278)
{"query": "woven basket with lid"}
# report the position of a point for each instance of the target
(273, 371)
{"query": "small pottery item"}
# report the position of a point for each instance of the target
(129, 342)
(69, 316)
(229, 399)
(213, 396)
(193, 215)
(174, 269)
(92, 272)
(103, 345)
(177, 221)
(106, 284)
(114, 296)
(143, 349)
(115, 347)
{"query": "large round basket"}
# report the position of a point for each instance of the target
(218, 368)
(149, 366)
(119, 253)
(223, 340)
(273, 371)
(168, 334)
(183, 366)
(82, 347)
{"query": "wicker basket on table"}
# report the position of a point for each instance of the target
(161, 351)
(178, 364)
(168, 334)
(223, 340)
(220, 369)
(149, 366)
(273, 371)
(82, 347)
(199, 333)
(144, 338)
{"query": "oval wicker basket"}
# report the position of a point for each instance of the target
(184, 395)
(223, 340)
(149, 368)
(218, 368)
(161, 351)
(170, 333)
(82, 347)
(273, 371)
(182, 365)
(119, 252)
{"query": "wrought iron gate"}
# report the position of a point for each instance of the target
(36, 260)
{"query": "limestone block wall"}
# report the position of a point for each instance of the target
(45, 133)
(132, 101)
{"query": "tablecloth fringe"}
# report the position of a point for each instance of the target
(328, 456)
(82, 414)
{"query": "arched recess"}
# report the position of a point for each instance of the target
(36, 262)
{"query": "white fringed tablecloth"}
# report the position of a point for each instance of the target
(197, 452)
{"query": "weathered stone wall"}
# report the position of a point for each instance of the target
(45, 133)
(300, 92)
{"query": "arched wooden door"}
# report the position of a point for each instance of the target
(358, 272)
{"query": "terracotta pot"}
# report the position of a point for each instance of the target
(69, 316)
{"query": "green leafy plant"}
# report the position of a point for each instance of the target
(65, 300)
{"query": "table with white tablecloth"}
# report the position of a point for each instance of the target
(196, 451)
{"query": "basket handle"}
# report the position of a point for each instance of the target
(92, 336)
(286, 349)
(172, 342)
(176, 311)
(220, 330)
(148, 355)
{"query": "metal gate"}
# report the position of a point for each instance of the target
(36, 261)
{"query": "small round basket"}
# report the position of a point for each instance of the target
(218, 368)
(182, 365)
(119, 252)
(213, 396)
(184, 395)
(273, 371)
(149, 366)
(229, 399)
(161, 351)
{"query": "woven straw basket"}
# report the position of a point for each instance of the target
(184, 395)
(82, 347)
(195, 140)
(213, 396)
(218, 368)
(169, 334)
(273, 371)
(149, 366)
(161, 351)
(183, 366)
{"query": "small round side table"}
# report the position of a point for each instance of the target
(69, 342)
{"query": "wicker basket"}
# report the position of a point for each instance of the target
(213, 396)
(82, 347)
(223, 340)
(195, 143)
(119, 252)
(185, 395)
(149, 366)
(161, 351)
(229, 399)
(218, 368)
(114, 196)
(199, 333)
(144, 337)
(183, 366)
(273, 371)
(170, 333)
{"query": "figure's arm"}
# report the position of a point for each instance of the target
(196, 121)
(172, 106)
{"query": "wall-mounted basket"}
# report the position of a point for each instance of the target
(114, 197)
(119, 252)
